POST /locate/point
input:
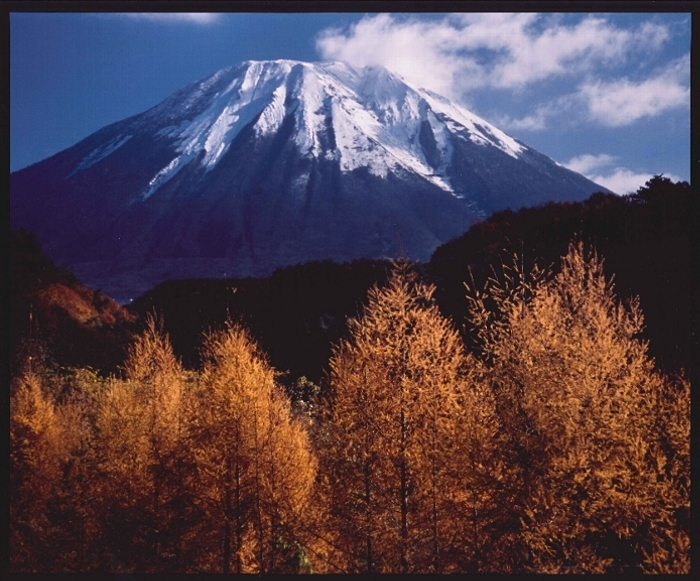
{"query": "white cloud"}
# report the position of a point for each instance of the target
(174, 17)
(420, 51)
(536, 122)
(617, 179)
(621, 102)
(467, 51)
(585, 163)
(460, 53)
(528, 55)
(565, 109)
(615, 103)
(624, 181)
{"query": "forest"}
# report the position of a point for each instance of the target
(509, 407)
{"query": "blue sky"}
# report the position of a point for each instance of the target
(607, 95)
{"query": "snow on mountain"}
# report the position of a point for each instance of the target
(376, 119)
(271, 163)
(100, 153)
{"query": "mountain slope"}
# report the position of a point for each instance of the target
(267, 164)
(48, 307)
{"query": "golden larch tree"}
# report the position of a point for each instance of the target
(140, 429)
(255, 469)
(405, 431)
(44, 439)
(602, 480)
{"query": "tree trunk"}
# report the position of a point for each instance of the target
(239, 520)
(404, 496)
(369, 517)
(227, 518)
(258, 506)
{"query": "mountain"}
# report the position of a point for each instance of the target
(273, 163)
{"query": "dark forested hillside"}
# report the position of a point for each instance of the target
(50, 309)
(297, 313)
(643, 238)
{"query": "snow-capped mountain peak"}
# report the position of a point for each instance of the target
(270, 163)
(375, 116)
